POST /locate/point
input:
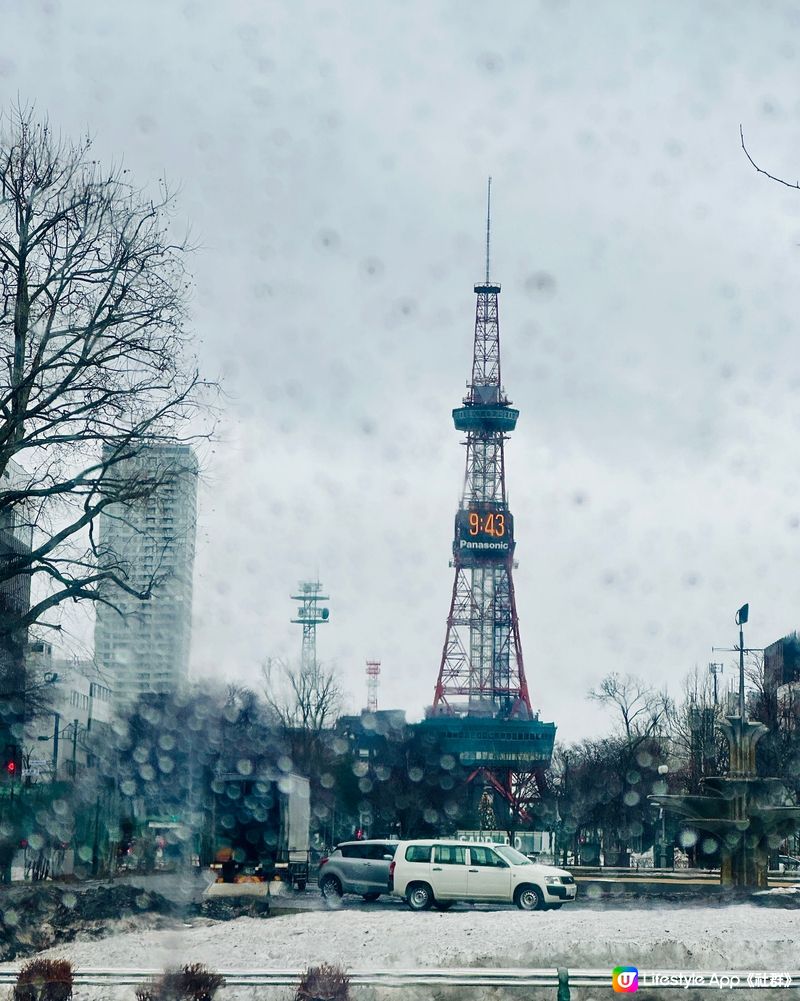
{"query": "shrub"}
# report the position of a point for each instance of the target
(44, 980)
(192, 982)
(324, 983)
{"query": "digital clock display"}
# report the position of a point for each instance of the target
(491, 523)
(484, 532)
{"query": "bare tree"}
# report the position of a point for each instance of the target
(242, 706)
(755, 674)
(697, 697)
(307, 699)
(304, 703)
(778, 751)
(93, 293)
(643, 710)
(698, 748)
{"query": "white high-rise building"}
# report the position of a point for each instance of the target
(144, 644)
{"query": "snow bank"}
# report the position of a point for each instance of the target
(674, 937)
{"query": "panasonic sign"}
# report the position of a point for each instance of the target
(468, 544)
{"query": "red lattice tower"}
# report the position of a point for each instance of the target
(373, 672)
(482, 674)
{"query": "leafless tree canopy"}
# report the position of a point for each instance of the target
(643, 711)
(304, 703)
(93, 294)
(697, 695)
(307, 699)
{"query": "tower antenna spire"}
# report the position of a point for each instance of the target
(488, 225)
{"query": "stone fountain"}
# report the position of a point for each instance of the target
(748, 814)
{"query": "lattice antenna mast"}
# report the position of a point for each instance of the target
(373, 671)
(309, 616)
(488, 225)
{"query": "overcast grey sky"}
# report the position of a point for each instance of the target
(333, 161)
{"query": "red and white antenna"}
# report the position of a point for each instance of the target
(373, 670)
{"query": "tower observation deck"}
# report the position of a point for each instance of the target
(481, 711)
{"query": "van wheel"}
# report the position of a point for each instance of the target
(371, 896)
(443, 905)
(419, 897)
(529, 898)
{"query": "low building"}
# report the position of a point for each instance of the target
(75, 707)
(369, 732)
(782, 663)
(782, 681)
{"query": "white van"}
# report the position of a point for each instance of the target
(439, 872)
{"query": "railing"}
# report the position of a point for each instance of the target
(584, 872)
(561, 979)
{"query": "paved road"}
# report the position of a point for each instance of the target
(594, 892)
(312, 901)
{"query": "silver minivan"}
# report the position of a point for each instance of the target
(360, 867)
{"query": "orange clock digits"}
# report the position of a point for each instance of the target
(493, 523)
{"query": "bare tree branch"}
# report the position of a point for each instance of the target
(772, 177)
(305, 699)
(94, 350)
(643, 711)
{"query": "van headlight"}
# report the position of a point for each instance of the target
(550, 880)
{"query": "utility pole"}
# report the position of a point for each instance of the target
(96, 841)
(56, 728)
(74, 746)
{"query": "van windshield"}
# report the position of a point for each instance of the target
(512, 855)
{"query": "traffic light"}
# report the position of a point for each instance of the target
(12, 761)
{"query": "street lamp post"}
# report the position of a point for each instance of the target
(662, 771)
(741, 618)
(556, 822)
(715, 669)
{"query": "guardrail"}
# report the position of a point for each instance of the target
(562, 979)
(712, 875)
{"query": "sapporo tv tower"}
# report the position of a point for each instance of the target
(481, 710)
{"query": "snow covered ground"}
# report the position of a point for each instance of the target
(669, 937)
